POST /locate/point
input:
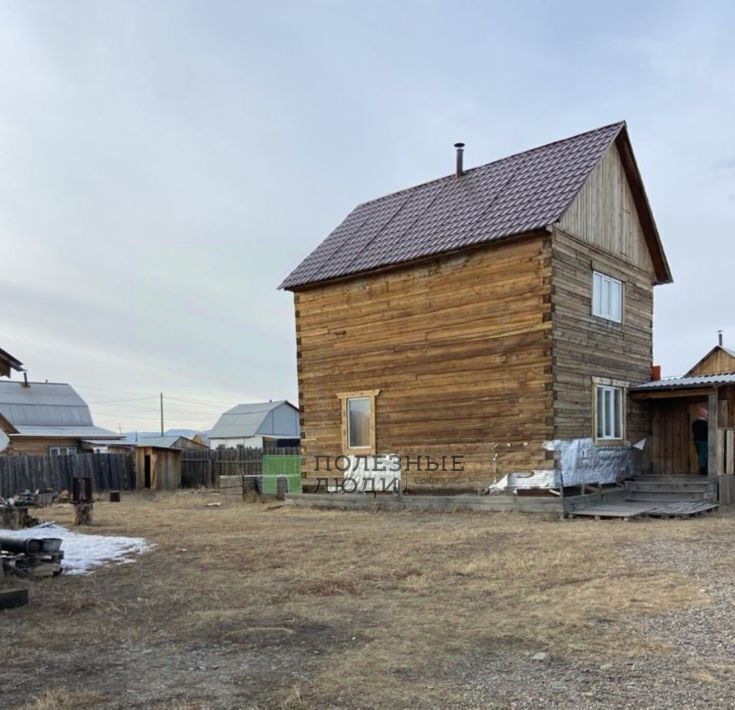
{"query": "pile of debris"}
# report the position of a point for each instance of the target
(38, 557)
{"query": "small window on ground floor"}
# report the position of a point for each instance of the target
(609, 413)
(358, 421)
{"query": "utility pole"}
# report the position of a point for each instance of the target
(161, 413)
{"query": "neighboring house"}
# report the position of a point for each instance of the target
(46, 418)
(9, 363)
(259, 425)
(484, 313)
(718, 360)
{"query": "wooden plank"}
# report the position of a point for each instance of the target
(12, 598)
(714, 462)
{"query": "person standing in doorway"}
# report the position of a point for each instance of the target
(700, 433)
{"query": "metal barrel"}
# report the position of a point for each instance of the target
(29, 546)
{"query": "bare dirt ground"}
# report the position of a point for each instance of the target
(263, 606)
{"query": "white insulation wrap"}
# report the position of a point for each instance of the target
(580, 462)
(384, 469)
(523, 481)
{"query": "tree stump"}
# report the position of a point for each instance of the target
(82, 513)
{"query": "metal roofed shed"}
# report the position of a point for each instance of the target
(258, 425)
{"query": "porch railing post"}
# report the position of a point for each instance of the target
(714, 457)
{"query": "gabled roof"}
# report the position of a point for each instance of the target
(47, 409)
(716, 349)
(517, 195)
(245, 420)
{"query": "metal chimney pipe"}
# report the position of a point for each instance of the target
(25, 379)
(719, 338)
(460, 162)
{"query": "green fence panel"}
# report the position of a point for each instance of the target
(275, 466)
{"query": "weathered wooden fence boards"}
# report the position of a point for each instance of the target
(108, 472)
(205, 467)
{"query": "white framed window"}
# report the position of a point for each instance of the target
(607, 297)
(608, 413)
(62, 450)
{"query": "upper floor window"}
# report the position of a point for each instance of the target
(607, 297)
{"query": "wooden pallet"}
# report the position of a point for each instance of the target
(617, 509)
(682, 509)
(627, 510)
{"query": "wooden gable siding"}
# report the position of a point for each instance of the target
(585, 346)
(459, 349)
(605, 215)
(716, 362)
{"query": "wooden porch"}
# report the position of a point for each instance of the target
(673, 409)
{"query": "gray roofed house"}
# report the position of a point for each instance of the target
(42, 417)
(256, 424)
(513, 196)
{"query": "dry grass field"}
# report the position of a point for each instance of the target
(262, 606)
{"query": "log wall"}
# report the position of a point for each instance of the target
(585, 346)
(459, 349)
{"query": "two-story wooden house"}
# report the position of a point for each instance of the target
(484, 313)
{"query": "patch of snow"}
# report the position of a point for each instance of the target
(83, 553)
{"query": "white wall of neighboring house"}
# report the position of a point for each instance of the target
(255, 442)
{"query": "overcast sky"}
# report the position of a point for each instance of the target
(163, 165)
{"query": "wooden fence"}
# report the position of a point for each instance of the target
(205, 467)
(108, 472)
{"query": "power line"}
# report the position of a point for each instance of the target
(115, 401)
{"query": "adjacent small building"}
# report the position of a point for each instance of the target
(46, 418)
(262, 425)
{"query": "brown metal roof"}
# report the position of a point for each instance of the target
(516, 195)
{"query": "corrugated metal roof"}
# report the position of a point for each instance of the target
(243, 420)
(159, 442)
(684, 382)
(516, 195)
(43, 404)
(47, 409)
